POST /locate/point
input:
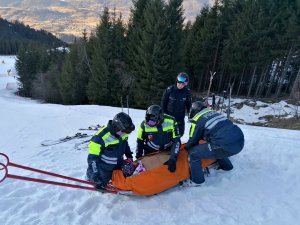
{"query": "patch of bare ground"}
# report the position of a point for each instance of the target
(284, 123)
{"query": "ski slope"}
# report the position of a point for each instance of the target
(263, 188)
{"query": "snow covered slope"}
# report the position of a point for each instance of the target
(263, 188)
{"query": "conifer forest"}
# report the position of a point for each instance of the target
(251, 45)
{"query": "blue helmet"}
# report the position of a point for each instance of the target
(182, 78)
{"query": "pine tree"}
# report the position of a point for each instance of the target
(68, 77)
(118, 82)
(154, 55)
(98, 89)
(174, 16)
(133, 46)
(28, 65)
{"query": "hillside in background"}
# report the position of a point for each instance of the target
(67, 18)
(14, 34)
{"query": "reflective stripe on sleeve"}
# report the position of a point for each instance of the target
(94, 148)
(140, 133)
(215, 122)
(109, 160)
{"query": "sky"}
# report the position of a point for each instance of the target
(263, 188)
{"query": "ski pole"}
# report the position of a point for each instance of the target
(122, 102)
(127, 104)
(212, 74)
(12, 176)
(213, 101)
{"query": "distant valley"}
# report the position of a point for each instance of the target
(68, 18)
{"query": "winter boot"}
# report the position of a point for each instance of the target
(188, 183)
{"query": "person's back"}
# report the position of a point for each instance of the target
(222, 140)
(217, 130)
(112, 149)
(106, 149)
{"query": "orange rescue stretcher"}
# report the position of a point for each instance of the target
(157, 177)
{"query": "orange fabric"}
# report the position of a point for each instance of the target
(157, 179)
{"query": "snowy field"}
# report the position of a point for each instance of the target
(263, 188)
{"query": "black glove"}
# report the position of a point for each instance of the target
(171, 165)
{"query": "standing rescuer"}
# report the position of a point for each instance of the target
(222, 137)
(158, 132)
(177, 99)
(107, 148)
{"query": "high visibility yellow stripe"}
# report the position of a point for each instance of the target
(124, 136)
(198, 115)
(168, 128)
(140, 133)
(94, 148)
(150, 129)
(109, 139)
(192, 130)
(98, 132)
(195, 119)
(168, 121)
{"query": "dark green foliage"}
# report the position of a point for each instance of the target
(46, 86)
(253, 45)
(98, 89)
(175, 38)
(75, 74)
(150, 81)
(154, 48)
(120, 82)
(107, 51)
(14, 34)
(28, 64)
(133, 49)
(68, 77)
(38, 69)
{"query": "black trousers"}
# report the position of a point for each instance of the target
(181, 126)
(206, 151)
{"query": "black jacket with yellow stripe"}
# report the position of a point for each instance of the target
(158, 138)
(106, 151)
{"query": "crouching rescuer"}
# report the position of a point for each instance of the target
(107, 148)
(158, 132)
(222, 140)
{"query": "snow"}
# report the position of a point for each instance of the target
(7, 63)
(263, 188)
(254, 111)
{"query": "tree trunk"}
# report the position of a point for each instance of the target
(220, 81)
(252, 80)
(288, 86)
(216, 56)
(295, 93)
(283, 74)
(241, 81)
(272, 78)
(199, 83)
(263, 85)
(259, 85)
(206, 78)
